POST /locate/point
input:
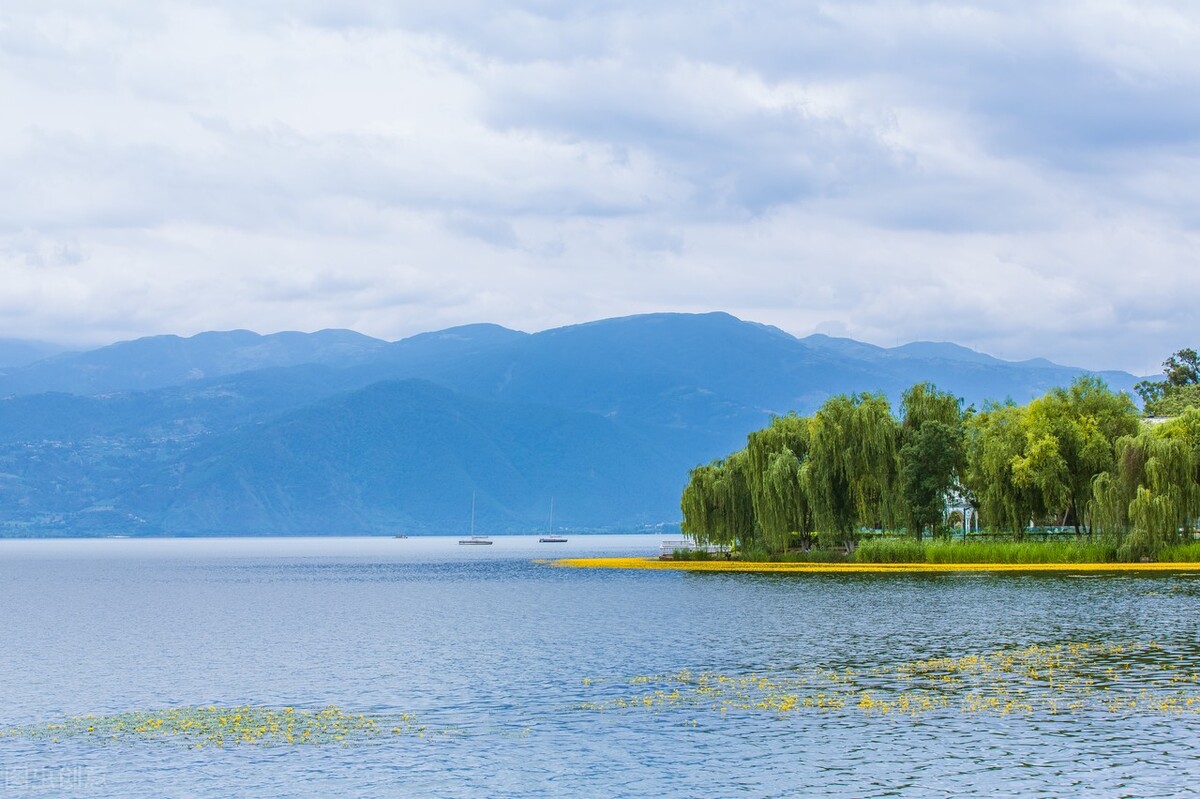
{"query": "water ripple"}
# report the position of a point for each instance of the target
(491, 652)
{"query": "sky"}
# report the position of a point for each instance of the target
(1020, 178)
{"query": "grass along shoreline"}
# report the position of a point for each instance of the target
(900, 555)
(903, 549)
(851, 567)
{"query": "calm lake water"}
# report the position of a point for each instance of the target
(527, 680)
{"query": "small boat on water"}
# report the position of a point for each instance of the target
(474, 540)
(399, 535)
(550, 537)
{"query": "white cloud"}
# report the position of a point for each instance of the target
(1025, 181)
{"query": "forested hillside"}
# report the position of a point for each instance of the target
(334, 432)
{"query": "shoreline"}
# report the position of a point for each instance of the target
(862, 568)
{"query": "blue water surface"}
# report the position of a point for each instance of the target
(519, 669)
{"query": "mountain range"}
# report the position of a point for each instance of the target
(335, 432)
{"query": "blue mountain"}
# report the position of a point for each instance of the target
(160, 361)
(15, 352)
(333, 432)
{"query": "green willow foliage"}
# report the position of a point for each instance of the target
(716, 503)
(1076, 456)
(1150, 497)
(995, 439)
(774, 456)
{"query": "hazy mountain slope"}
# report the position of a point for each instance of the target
(15, 352)
(193, 409)
(160, 361)
(676, 369)
(713, 377)
(700, 375)
(945, 351)
(607, 417)
(407, 456)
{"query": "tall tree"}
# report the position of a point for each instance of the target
(1152, 491)
(716, 503)
(996, 440)
(784, 512)
(931, 454)
(1071, 435)
(924, 402)
(1182, 368)
(699, 506)
(851, 473)
(929, 463)
(1178, 390)
(775, 456)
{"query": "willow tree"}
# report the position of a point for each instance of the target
(784, 512)
(1113, 490)
(850, 475)
(699, 505)
(1072, 435)
(874, 462)
(925, 402)
(1164, 500)
(1152, 493)
(996, 443)
(716, 503)
(1040, 471)
(774, 456)
(1184, 430)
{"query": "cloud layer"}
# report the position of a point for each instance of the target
(1026, 182)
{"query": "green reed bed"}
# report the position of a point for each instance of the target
(794, 556)
(763, 556)
(1181, 553)
(898, 548)
(908, 550)
(693, 554)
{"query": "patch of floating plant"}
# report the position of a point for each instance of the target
(1061, 678)
(232, 726)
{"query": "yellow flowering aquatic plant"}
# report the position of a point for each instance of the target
(230, 726)
(1059, 678)
(1050, 678)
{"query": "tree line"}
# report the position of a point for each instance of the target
(1178, 390)
(1077, 457)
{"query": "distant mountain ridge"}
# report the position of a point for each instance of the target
(160, 361)
(15, 353)
(337, 432)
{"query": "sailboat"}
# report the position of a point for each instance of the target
(550, 537)
(475, 540)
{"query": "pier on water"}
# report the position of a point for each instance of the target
(668, 548)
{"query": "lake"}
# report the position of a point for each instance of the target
(481, 671)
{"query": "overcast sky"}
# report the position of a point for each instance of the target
(1021, 178)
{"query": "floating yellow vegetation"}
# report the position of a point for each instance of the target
(229, 726)
(1062, 678)
(1055, 678)
(863, 568)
